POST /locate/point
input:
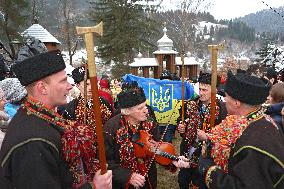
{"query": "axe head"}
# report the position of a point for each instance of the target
(93, 29)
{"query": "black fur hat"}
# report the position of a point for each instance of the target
(175, 77)
(131, 95)
(39, 66)
(78, 74)
(166, 74)
(205, 78)
(246, 88)
(241, 71)
(271, 73)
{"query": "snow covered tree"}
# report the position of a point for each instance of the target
(265, 49)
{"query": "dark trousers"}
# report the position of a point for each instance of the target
(187, 176)
(168, 137)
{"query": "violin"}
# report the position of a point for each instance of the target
(145, 146)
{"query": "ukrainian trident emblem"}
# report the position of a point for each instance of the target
(161, 97)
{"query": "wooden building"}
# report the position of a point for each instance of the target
(165, 58)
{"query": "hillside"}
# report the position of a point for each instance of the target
(199, 29)
(266, 20)
(78, 13)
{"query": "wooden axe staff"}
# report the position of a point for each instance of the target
(214, 51)
(182, 87)
(89, 41)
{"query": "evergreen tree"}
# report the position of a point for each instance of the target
(205, 30)
(127, 26)
(198, 47)
(119, 70)
(265, 49)
(212, 30)
(236, 30)
(15, 16)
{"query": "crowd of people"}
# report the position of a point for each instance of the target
(51, 142)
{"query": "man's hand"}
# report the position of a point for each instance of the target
(137, 180)
(181, 128)
(103, 181)
(201, 135)
(183, 162)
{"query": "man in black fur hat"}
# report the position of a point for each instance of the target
(247, 149)
(197, 116)
(166, 74)
(121, 133)
(271, 75)
(41, 149)
(75, 110)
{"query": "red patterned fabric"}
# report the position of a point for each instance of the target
(107, 96)
(126, 151)
(223, 136)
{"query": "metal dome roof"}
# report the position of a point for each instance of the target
(165, 44)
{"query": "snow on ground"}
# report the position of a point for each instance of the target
(201, 25)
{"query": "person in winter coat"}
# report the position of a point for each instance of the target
(41, 149)
(246, 150)
(3, 117)
(105, 92)
(276, 101)
(14, 94)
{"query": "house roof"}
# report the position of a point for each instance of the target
(187, 61)
(165, 52)
(143, 62)
(38, 32)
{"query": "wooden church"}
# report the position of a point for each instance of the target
(164, 58)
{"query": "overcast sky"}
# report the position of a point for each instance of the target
(227, 9)
(236, 8)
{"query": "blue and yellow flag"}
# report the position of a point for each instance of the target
(164, 96)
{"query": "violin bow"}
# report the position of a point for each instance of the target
(159, 144)
(163, 134)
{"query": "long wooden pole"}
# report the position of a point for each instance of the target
(182, 87)
(214, 51)
(85, 95)
(89, 41)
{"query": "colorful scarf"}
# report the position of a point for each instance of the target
(78, 142)
(225, 135)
